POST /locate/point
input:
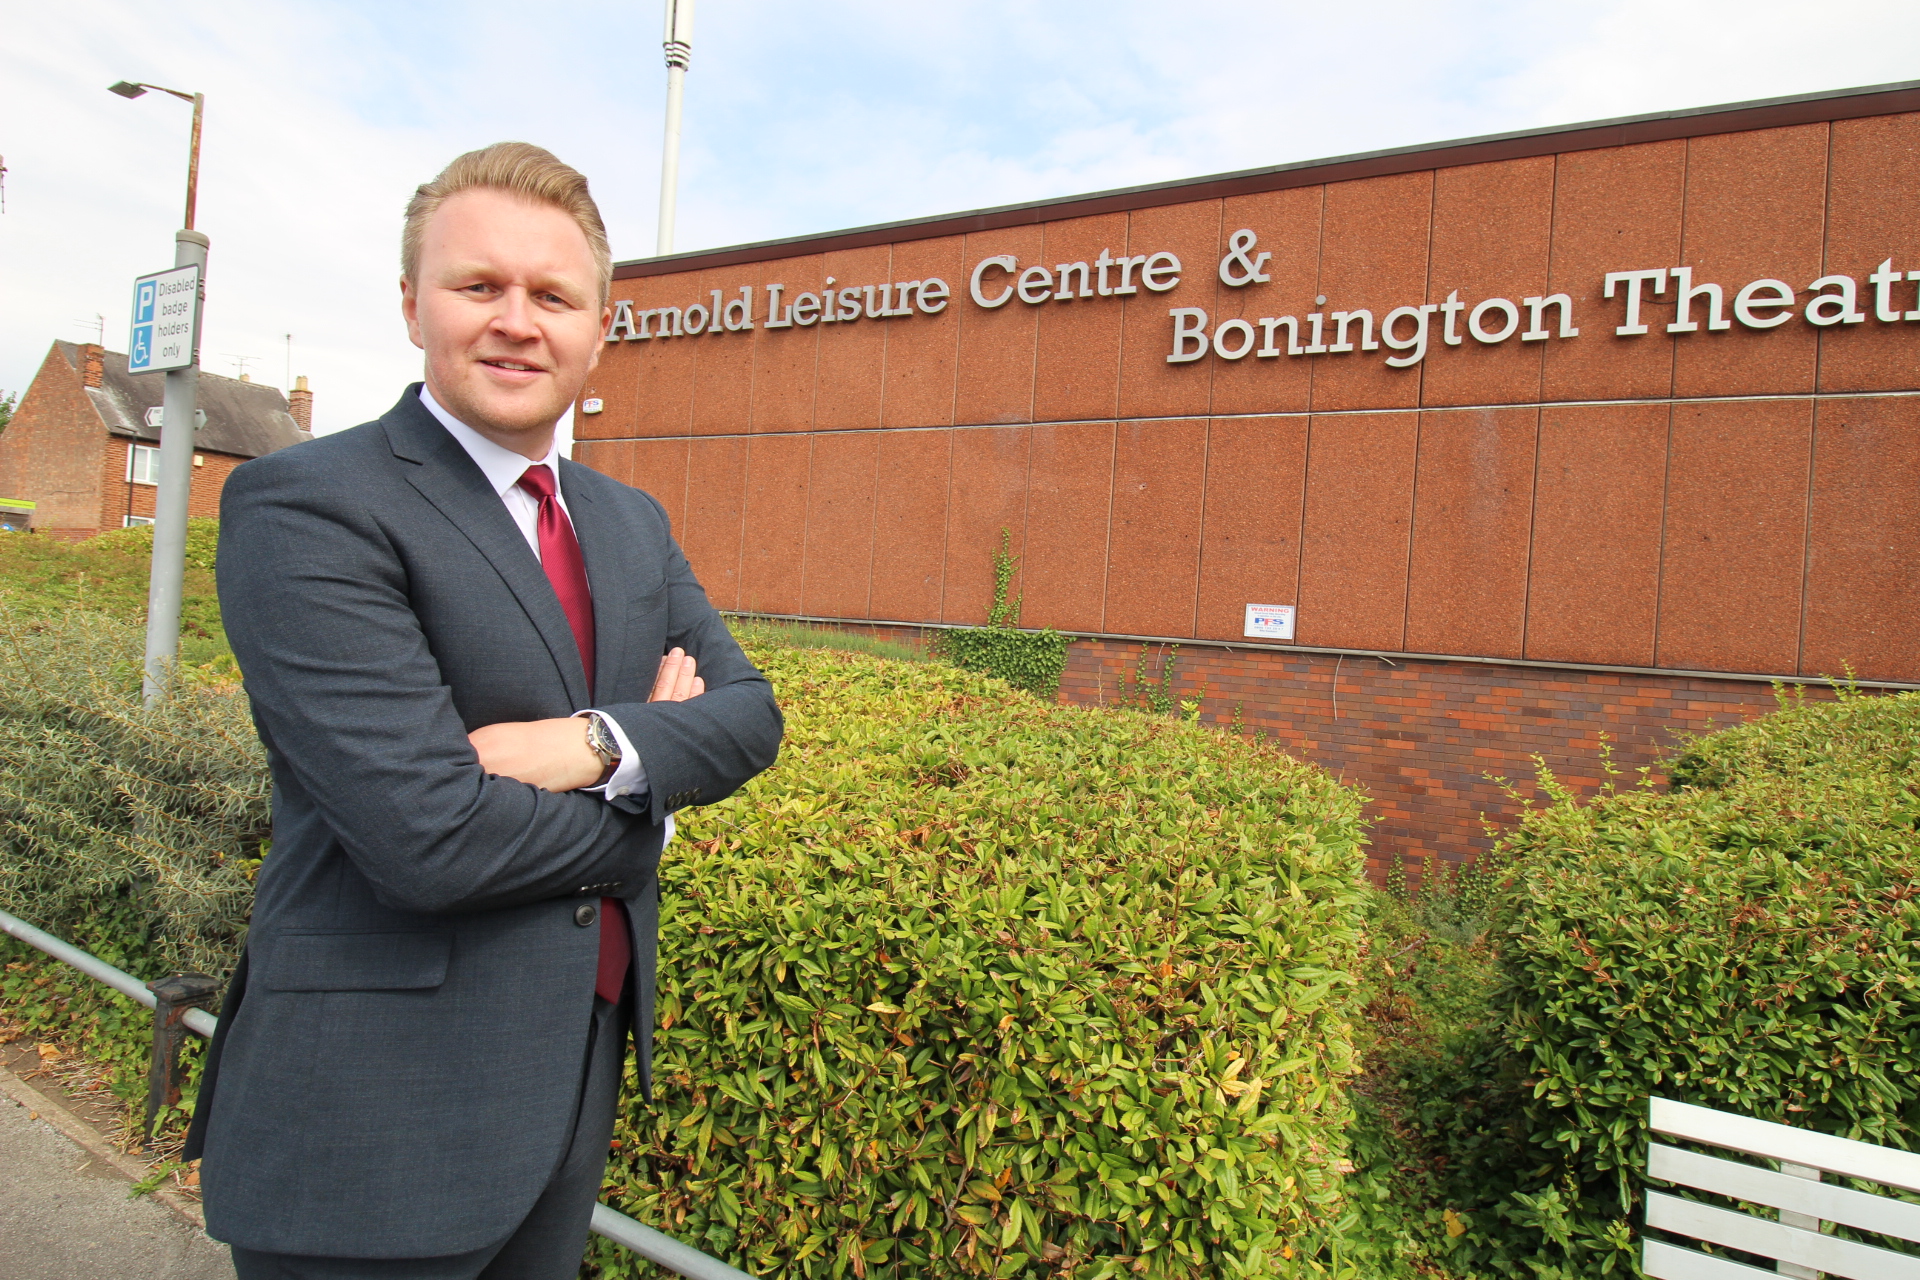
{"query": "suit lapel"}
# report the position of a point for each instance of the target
(448, 478)
(601, 546)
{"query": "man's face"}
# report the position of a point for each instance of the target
(507, 307)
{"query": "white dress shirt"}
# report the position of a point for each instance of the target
(503, 469)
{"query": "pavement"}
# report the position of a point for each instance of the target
(64, 1209)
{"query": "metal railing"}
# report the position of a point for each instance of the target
(175, 1002)
(1794, 1240)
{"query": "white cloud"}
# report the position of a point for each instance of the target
(801, 118)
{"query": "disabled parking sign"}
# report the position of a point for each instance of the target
(166, 321)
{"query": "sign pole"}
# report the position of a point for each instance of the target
(179, 411)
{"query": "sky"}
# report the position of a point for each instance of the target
(800, 118)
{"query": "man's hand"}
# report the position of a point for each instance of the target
(553, 754)
(677, 681)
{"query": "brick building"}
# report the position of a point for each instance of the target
(83, 445)
(1431, 460)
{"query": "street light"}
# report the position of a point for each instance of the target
(679, 48)
(128, 89)
(166, 578)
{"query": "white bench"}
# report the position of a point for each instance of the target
(1794, 1241)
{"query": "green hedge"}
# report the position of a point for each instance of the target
(972, 985)
(108, 574)
(1748, 939)
(969, 984)
(121, 826)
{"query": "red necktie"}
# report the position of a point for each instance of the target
(567, 571)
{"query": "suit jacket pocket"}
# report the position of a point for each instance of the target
(356, 961)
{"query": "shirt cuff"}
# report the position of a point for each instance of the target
(629, 776)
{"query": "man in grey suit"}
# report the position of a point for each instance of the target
(453, 643)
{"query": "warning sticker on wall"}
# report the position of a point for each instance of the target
(1270, 621)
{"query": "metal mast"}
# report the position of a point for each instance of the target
(679, 46)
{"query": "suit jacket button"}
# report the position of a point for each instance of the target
(585, 914)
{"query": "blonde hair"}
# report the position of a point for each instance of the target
(523, 169)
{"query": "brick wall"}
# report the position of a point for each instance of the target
(1426, 740)
(45, 454)
(120, 498)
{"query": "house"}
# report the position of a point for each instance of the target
(82, 453)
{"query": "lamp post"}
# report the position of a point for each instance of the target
(166, 578)
(679, 47)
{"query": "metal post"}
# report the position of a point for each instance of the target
(172, 998)
(164, 585)
(679, 48)
(193, 162)
(1804, 1221)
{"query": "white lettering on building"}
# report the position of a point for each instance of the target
(1406, 331)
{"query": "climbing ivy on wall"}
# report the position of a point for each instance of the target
(1030, 660)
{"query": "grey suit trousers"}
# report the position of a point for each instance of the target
(548, 1243)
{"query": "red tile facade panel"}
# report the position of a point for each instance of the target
(660, 468)
(1250, 536)
(1153, 556)
(1077, 347)
(840, 514)
(1373, 257)
(1492, 227)
(1063, 573)
(1863, 550)
(1599, 500)
(995, 378)
(662, 377)
(1736, 536)
(773, 552)
(853, 352)
(1287, 226)
(1359, 506)
(1149, 385)
(1472, 516)
(923, 347)
(615, 382)
(910, 523)
(723, 357)
(1875, 189)
(1614, 210)
(713, 528)
(786, 358)
(1756, 209)
(986, 497)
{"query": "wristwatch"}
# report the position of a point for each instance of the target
(602, 743)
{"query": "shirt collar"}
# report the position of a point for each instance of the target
(501, 465)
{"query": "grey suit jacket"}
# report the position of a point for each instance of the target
(400, 1052)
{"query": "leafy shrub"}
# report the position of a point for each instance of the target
(1747, 940)
(117, 822)
(974, 985)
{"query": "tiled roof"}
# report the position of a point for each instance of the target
(244, 419)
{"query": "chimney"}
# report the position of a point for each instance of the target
(300, 404)
(92, 364)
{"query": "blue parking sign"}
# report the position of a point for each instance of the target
(166, 321)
